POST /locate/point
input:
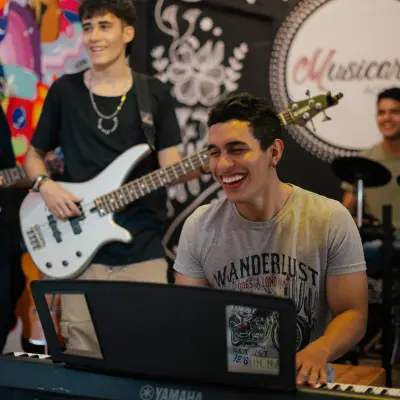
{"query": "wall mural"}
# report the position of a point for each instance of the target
(39, 41)
(200, 73)
(197, 53)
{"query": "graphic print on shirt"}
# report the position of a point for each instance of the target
(277, 275)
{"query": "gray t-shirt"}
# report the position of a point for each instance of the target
(288, 255)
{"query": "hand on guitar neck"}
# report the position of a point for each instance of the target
(60, 202)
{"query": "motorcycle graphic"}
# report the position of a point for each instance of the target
(304, 326)
(250, 327)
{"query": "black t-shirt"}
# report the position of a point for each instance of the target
(69, 120)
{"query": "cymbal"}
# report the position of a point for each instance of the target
(350, 169)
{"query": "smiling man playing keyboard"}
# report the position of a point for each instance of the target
(275, 238)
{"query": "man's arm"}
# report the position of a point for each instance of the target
(347, 297)
(168, 134)
(34, 162)
(188, 264)
(349, 200)
(60, 202)
(184, 280)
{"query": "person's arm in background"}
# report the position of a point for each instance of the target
(168, 135)
(349, 200)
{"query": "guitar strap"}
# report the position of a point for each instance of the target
(146, 114)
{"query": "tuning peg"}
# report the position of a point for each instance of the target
(326, 118)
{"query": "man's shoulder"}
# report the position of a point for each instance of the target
(156, 86)
(206, 215)
(67, 81)
(372, 152)
(318, 203)
(308, 195)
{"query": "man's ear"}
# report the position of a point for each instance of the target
(129, 34)
(277, 148)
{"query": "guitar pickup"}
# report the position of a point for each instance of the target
(54, 228)
(75, 221)
(35, 237)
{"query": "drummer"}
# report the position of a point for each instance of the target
(387, 153)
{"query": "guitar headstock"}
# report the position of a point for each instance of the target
(303, 111)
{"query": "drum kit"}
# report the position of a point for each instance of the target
(365, 173)
(362, 173)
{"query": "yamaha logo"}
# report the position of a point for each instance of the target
(341, 46)
(147, 392)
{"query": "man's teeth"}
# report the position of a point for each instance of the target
(97, 48)
(231, 179)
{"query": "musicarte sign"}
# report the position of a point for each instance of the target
(343, 46)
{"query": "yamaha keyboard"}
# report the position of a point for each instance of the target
(34, 376)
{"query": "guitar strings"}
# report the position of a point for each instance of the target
(141, 188)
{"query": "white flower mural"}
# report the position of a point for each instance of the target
(201, 73)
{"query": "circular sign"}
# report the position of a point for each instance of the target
(19, 117)
(339, 46)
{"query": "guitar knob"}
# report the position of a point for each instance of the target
(49, 264)
(78, 254)
(65, 263)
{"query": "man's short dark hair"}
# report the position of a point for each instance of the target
(122, 9)
(264, 122)
(391, 93)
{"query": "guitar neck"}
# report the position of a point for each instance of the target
(10, 176)
(118, 199)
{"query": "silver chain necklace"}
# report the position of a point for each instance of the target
(101, 116)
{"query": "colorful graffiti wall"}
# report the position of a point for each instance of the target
(39, 41)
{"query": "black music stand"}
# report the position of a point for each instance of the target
(167, 332)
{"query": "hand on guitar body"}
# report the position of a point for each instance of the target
(60, 202)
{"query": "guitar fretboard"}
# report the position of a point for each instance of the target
(10, 176)
(118, 199)
(128, 193)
